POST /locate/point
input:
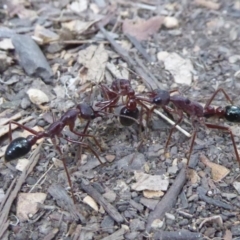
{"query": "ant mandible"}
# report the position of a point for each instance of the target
(21, 146)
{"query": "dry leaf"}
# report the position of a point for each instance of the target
(118, 72)
(37, 97)
(28, 204)
(218, 171)
(181, 68)
(214, 219)
(91, 202)
(141, 29)
(45, 34)
(94, 59)
(79, 6)
(227, 235)
(150, 182)
(193, 176)
(6, 44)
(77, 26)
(22, 163)
(152, 194)
(208, 4)
(236, 185)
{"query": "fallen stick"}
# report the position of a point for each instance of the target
(109, 208)
(178, 235)
(169, 199)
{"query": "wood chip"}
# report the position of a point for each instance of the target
(218, 171)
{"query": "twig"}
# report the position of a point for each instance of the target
(11, 194)
(178, 235)
(118, 234)
(40, 179)
(202, 195)
(172, 123)
(139, 47)
(65, 202)
(109, 208)
(124, 54)
(5, 129)
(142, 66)
(169, 199)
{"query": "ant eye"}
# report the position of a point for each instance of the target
(187, 101)
(157, 100)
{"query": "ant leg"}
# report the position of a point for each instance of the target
(65, 168)
(83, 134)
(214, 95)
(21, 126)
(85, 145)
(227, 129)
(180, 113)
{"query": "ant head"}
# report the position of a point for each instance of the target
(86, 111)
(18, 148)
(160, 97)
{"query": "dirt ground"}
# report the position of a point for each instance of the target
(57, 54)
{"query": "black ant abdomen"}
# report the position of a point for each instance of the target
(128, 113)
(17, 148)
(232, 113)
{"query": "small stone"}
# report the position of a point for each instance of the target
(234, 58)
(157, 223)
(236, 185)
(25, 103)
(235, 230)
(149, 203)
(98, 187)
(110, 158)
(183, 222)
(107, 224)
(170, 22)
(132, 235)
(110, 196)
(172, 169)
(31, 57)
(138, 206)
(137, 225)
(170, 216)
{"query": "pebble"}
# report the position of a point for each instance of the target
(110, 196)
(31, 181)
(157, 223)
(107, 224)
(149, 203)
(25, 103)
(183, 222)
(137, 225)
(98, 187)
(31, 57)
(138, 206)
(170, 216)
(170, 22)
(132, 235)
(235, 230)
(172, 169)
(210, 232)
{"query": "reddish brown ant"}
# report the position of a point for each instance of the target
(196, 112)
(120, 88)
(21, 146)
